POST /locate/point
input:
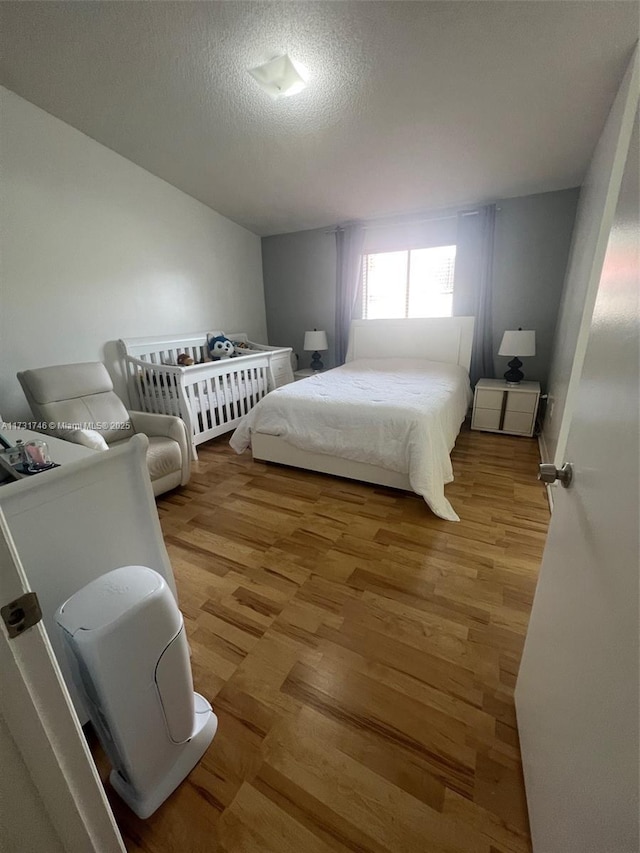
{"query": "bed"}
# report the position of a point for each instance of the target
(390, 415)
(210, 397)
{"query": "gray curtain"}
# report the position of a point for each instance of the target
(349, 246)
(473, 281)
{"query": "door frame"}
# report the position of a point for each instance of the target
(37, 710)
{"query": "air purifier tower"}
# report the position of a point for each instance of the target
(130, 659)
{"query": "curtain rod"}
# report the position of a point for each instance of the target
(414, 221)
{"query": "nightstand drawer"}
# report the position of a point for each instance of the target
(500, 408)
(489, 398)
(517, 401)
(486, 419)
(518, 422)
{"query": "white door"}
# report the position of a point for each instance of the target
(577, 692)
(48, 776)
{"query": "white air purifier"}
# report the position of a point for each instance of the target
(130, 659)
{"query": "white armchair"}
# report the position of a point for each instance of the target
(77, 403)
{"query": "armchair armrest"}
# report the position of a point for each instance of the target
(167, 426)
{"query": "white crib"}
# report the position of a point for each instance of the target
(210, 397)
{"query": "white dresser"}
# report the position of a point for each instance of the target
(60, 451)
(79, 521)
(512, 409)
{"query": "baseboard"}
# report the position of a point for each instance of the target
(542, 444)
(544, 457)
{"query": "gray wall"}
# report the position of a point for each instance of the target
(299, 272)
(533, 235)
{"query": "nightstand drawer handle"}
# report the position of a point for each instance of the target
(549, 473)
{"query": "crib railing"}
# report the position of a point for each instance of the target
(210, 398)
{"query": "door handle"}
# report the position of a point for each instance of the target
(548, 473)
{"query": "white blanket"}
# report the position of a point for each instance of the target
(400, 414)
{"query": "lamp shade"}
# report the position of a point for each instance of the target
(520, 343)
(315, 341)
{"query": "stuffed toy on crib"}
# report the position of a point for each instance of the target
(220, 347)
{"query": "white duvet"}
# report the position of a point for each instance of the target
(400, 414)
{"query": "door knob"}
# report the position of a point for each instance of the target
(548, 473)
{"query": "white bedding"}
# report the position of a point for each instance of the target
(400, 414)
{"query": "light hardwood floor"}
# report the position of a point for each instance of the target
(360, 653)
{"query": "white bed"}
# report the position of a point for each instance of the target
(389, 416)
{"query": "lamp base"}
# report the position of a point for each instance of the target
(316, 364)
(514, 375)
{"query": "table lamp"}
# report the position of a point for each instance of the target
(317, 342)
(517, 343)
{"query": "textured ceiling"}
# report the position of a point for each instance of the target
(410, 106)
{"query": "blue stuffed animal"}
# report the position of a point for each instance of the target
(220, 347)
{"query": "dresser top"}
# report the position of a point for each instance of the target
(501, 385)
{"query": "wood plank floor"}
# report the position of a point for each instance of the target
(360, 653)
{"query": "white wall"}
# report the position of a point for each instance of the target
(596, 209)
(94, 248)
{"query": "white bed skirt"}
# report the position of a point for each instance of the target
(273, 448)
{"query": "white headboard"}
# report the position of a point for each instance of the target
(447, 339)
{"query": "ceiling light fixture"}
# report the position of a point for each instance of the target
(279, 77)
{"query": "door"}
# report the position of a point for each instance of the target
(48, 775)
(577, 691)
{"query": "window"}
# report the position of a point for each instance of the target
(412, 283)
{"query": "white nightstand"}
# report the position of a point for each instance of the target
(512, 409)
(305, 373)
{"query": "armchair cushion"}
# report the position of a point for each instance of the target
(88, 438)
(76, 396)
(67, 381)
